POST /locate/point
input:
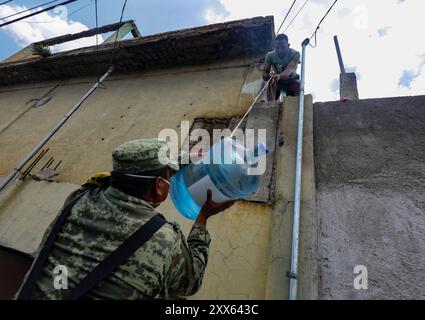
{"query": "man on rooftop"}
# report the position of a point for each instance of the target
(284, 62)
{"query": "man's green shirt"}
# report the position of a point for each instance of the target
(280, 64)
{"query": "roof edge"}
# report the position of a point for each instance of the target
(191, 46)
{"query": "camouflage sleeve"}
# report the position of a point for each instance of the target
(189, 260)
(67, 201)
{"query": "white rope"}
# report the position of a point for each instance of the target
(250, 108)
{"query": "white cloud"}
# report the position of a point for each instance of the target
(212, 16)
(44, 26)
(380, 38)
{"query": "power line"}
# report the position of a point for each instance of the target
(290, 23)
(35, 13)
(97, 25)
(116, 37)
(68, 16)
(18, 13)
(287, 14)
(97, 41)
(5, 2)
(318, 26)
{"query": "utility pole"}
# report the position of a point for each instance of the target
(347, 80)
(338, 53)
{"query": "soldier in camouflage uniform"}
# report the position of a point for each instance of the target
(166, 266)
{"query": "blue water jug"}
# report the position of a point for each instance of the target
(225, 169)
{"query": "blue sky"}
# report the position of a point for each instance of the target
(378, 38)
(151, 16)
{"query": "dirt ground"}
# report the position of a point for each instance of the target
(370, 180)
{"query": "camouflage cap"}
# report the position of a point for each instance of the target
(142, 155)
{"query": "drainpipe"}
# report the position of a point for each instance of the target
(52, 132)
(297, 191)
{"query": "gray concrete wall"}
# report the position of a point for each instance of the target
(348, 86)
(370, 180)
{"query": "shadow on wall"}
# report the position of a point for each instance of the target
(13, 267)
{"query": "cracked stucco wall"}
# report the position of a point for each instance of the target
(370, 171)
(250, 246)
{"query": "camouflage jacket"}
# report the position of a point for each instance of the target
(166, 266)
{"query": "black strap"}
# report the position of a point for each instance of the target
(103, 269)
(40, 261)
(118, 257)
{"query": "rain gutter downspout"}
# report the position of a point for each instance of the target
(297, 191)
(52, 132)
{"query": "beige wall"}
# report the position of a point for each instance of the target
(250, 242)
(281, 228)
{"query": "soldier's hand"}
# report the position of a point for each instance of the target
(211, 208)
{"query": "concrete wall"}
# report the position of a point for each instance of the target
(243, 264)
(133, 106)
(370, 179)
(27, 209)
(281, 229)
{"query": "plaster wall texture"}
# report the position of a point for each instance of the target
(132, 107)
(348, 86)
(370, 180)
(249, 253)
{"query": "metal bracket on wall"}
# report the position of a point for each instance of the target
(46, 173)
(27, 171)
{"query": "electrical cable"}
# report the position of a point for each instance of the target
(283, 21)
(68, 16)
(97, 25)
(35, 13)
(23, 11)
(287, 14)
(5, 2)
(101, 85)
(266, 85)
(116, 37)
(302, 7)
(318, 26)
